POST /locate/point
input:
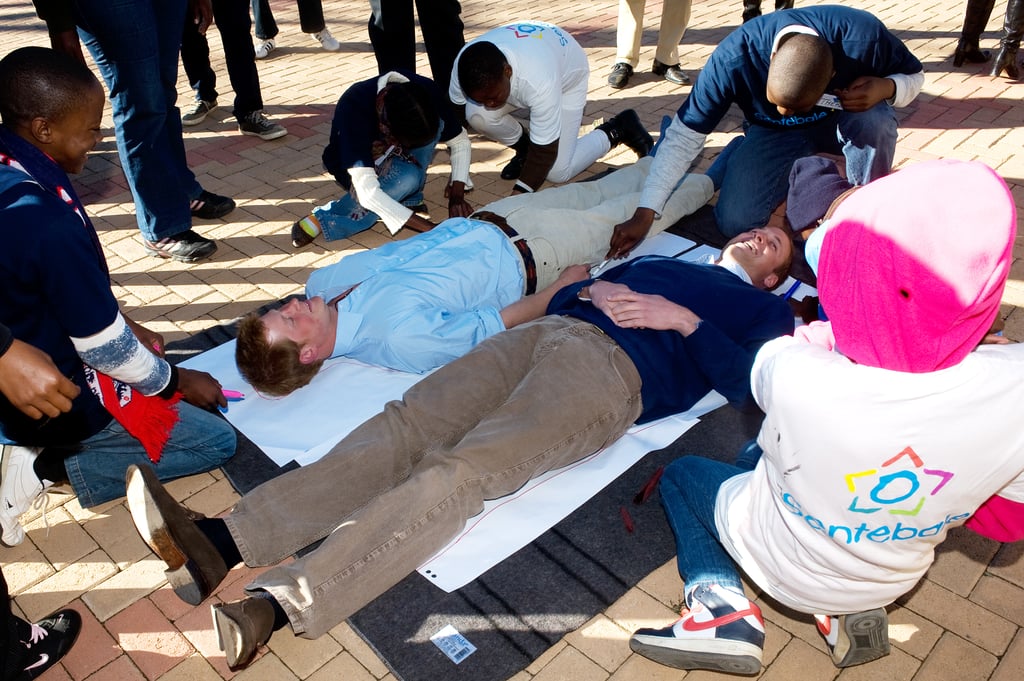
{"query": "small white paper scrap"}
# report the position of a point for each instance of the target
(453, 644)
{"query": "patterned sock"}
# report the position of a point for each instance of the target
(310, 225)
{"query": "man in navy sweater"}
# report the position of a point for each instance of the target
(649, 338)
(807, 80)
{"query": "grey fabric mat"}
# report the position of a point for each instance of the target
(518, 609)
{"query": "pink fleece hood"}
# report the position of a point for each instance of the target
(913, 269)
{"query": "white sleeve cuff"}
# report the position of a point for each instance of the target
(371, 197)
(460, 151)
(674, 156)
(908, 86)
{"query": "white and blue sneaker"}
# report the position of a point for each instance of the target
(857, 638)
(721, 631)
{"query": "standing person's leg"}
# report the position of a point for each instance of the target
(575, 387)
(443, 37)
(311, 19)
(1009, 44)
(628, 33)
(232, 17)
(263, 20)
(723, 630)
(195, 58)
(393, 36)
(233, 23)
(675, 17)
(756, 179)
(868, 142)
(135, 45)
(199, 442)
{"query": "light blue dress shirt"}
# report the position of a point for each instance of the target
(423, 301)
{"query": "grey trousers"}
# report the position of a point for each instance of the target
(401, 485)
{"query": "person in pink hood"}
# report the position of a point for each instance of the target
(884, 428)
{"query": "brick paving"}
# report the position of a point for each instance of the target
(963, 622)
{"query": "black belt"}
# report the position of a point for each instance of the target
(529, 264)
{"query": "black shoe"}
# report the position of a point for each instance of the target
(257, 124)
(210, 206)
(514, 168)
(183, 247)
(54, 638)
(620, 75)
(671, 72)
(627, 129)
(971, 54)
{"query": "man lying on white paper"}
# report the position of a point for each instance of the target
(414, 305)
(647, 339)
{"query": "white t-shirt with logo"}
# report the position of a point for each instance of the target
(548, 65)
(865, 470)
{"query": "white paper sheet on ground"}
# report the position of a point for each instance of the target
(659, 244)
(305, 425)
(511, 522)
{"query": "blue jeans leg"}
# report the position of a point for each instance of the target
(868, 142)
(756, 178)
(200, 441)
(403, 182)
(688, 488)
(135, 44)
(263, 20)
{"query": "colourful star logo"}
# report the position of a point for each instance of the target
(899, 486)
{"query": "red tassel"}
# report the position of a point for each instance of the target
(149, 419)
(645, 493)
(627, 520)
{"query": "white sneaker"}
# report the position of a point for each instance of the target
(721, 631)
(327, 41)
(264, 49)
(19, 487)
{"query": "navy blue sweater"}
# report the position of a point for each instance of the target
(737, 71)
(355, 126)
(676, 371)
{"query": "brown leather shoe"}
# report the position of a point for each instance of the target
(242, 627)
(194, 565)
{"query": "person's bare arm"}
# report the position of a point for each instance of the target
(32, 382)
(532, 307)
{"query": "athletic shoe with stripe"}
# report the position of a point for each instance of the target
(721, 631)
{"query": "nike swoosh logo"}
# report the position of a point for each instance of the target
(691, 625)
(43, 659)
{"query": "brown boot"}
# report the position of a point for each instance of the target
(242, 627)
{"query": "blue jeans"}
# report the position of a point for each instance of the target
(311, 17)
(135, 45)
(403, 181)
(756, 179)
(688, 489)
(200, 441)
(233, 23)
